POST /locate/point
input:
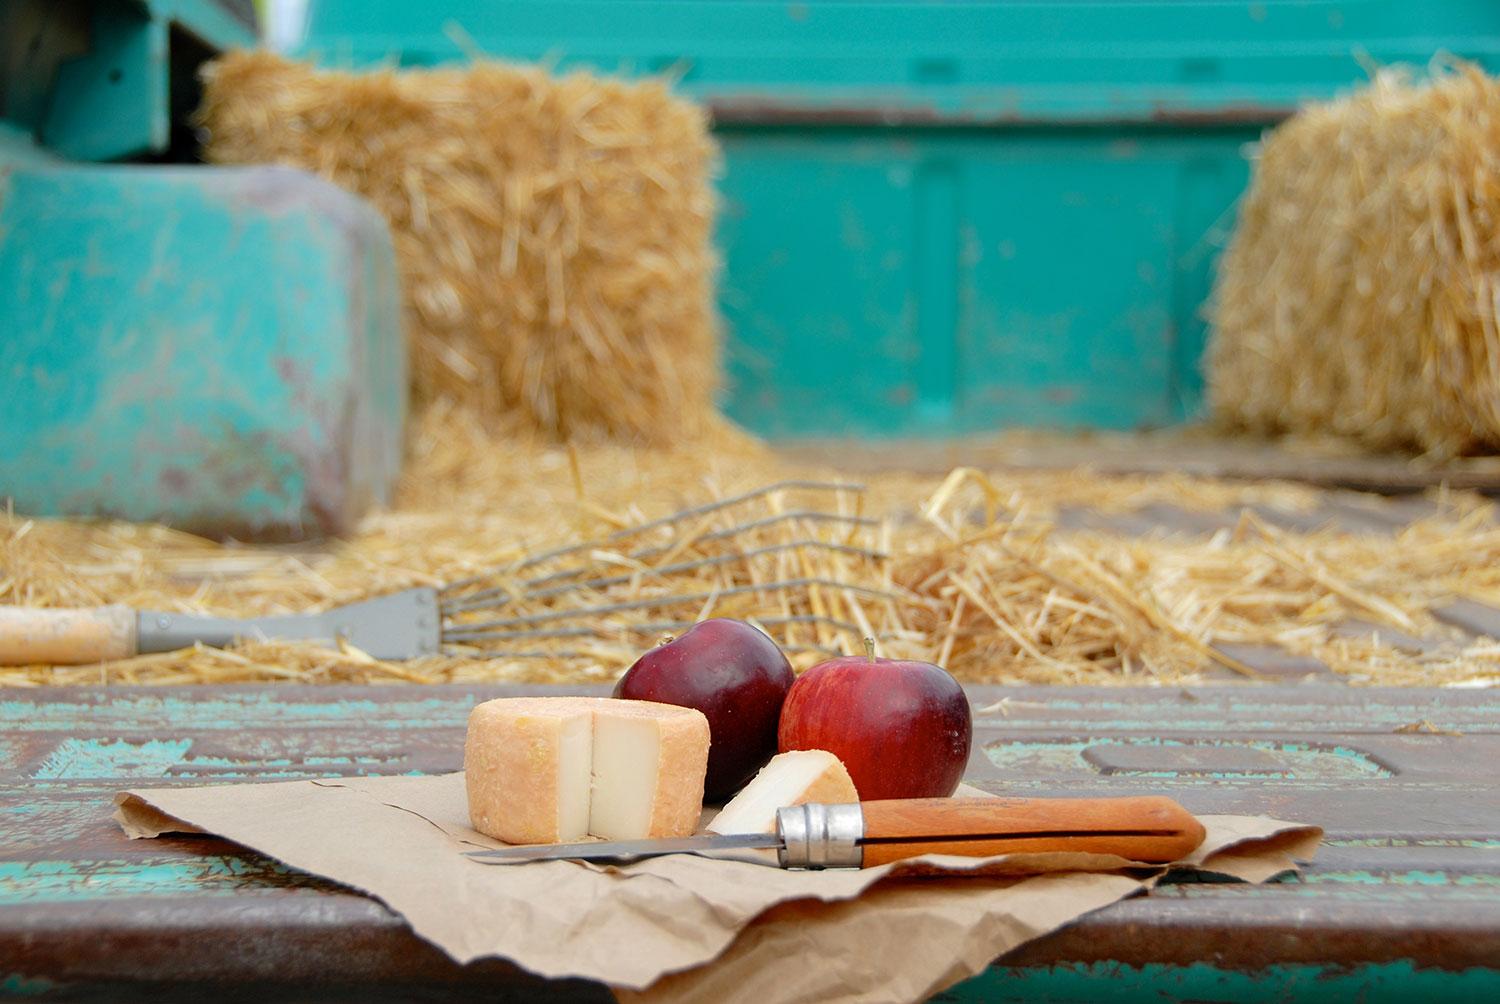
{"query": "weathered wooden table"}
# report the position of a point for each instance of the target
(1403, 902)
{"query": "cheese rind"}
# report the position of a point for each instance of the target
(554, 769)
(795, 778)
(526, 760)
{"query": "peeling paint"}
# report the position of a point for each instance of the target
(87, 758)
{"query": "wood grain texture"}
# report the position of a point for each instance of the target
(1410, 872)
(33, 636)
(1184, 450)
(1141, 828)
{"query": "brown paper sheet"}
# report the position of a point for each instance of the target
(648, 929)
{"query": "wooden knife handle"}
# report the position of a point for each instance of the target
(1142, 828)
(33, 635)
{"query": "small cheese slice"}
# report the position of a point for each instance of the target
(794, 778)
(556, 769)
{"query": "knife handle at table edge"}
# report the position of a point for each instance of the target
(1149, 828)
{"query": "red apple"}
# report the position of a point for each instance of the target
(902, 728)
(732, 673)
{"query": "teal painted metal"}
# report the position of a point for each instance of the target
(949, 218)
(1069, 60)
(19, 149)
(958, 280)
(216, 348)
(1388, 983)
(111, 101)
(97, 82)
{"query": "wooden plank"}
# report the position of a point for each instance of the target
(1367, 630)
(1412, 870)
(1273, 662)
(1342, 512)
(1186, 450)
(1477, 618)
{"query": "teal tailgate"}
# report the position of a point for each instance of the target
(946, 218)
(943, 281)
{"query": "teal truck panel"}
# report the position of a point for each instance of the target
(1205, 983)
(111, 100)
(937, 282)
(945, 218)
(1001, 60)
(103, 80)
(216, 348)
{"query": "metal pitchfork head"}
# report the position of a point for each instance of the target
(814, 575)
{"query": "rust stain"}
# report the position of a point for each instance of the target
(749, 109)
(1246, 113)
(175, 481)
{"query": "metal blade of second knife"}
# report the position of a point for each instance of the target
(595, 850)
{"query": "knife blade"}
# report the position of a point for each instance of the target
(1148, 828)
(628, 850)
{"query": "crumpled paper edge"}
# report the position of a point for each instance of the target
(1012, 914)
(1226, 852)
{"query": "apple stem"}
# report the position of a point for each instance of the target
(665, 639)
(870, 648)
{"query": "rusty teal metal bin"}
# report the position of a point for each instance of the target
(945, 218)
(215, 348)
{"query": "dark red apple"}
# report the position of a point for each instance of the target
(732, 673)
(902, 728)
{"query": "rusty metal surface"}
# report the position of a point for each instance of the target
(1411, 870)
(746, 109)
(179, 386)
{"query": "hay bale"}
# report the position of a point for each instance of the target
(554, 233)
(1359, 293)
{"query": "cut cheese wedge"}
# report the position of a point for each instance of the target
(556, 769)
(794, 778)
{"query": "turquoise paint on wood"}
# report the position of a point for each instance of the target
(76, 757)
(215, 348)
(21, 985)
(1282, 759)
(202, 875)
(255, 727)
(1387, 983)
(1021, 229)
